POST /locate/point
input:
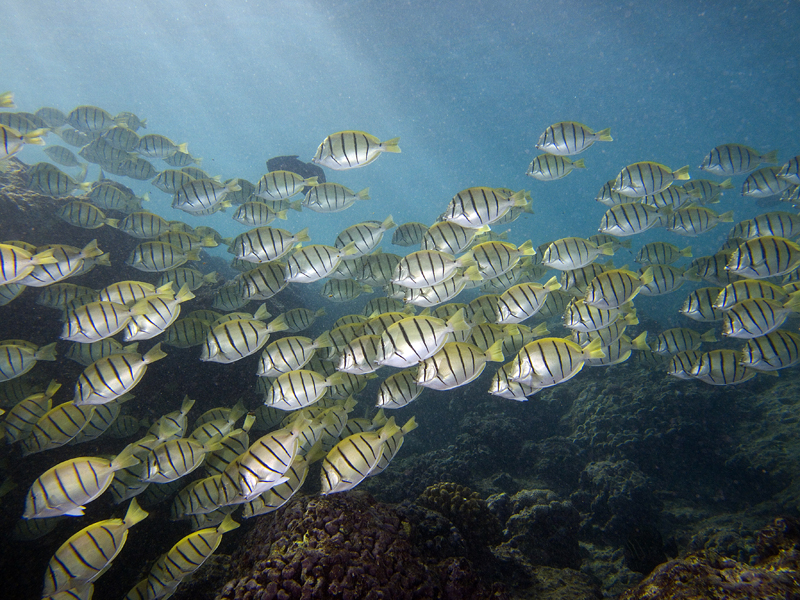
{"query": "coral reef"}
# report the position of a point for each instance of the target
(344, 546)
(708, 576)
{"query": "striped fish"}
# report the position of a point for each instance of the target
(516, 336)
(127, 292)
(733, 159)
(122, 138)
(351, 149)
(365, 236)
(202, 196)
(58, 295)
(298, 389)
(84, 215)
(171, 180)
(661, 253)
(332, 197)
(680, 339)
(16, 263)
(614, 288)
(282, 185)
(289, 354)
(257, 214)
(494, 259)
(155, 257)
(154, 314)
(102, 418)
(90, 119)
(315, 262)
(263, 282)
(18, 357)
(98, 320)
(580, 316)
(263, 465)
(22, 418)
(107, 196)
(548, 167)
(12, 140)
(572, 253)
(665, 279)
(70, 261)
(695, 220)
(735, 292)
(681, 364)
(359, 355)
(176, 458)
(392, 446)
(135, 168)
(619, 351)
(186, 276)
(218, 427)
(172, 424)
(771, 352)
(567, 138)
(232, 446)
(705, 191)
(520, 302)
(184, 558)
(672, 198)
(550, 361)
(265, 244)
(450, 237)
(280, 494)
(144, 225)
(791, 171)
(61, 155)
(380, 322)
(66, 488)
(57, 427)
(630, 219)
(647, 178)
(779, 224)
(233, 340)
(426, 268)
(154, 145)
(607, 335)
(51, 180)
(378, 268)
(409, 234)
(399, 389)
(765, 183)
(73, 137)
(721, 367)
(504, 387)
(765, 256)
(756, 317)
(413, 339)
(85, 556)
(576, 281)
(478, 206)
(456, 364)
(699, 306)
(343, 290)
(112, 376)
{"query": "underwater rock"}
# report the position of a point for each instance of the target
(614, 499)
(344, 546)
(709, 576)
(544, 529)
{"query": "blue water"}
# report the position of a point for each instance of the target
(468, 88)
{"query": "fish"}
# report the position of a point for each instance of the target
(289, 354)
(266, 244)
(332, 197)
(580, 316)
(184, 558)
(521, 301)
(315, 262)
(680, 339)
(572, 253)
(699, 306)
(755, 317)
(84, 215)
(299, 388)
(282, 185)
(144, 225)
(343, 290)
(154, 314)
(201, 195)
(733, 159)
(568, 138)
(735, 292)
(494, 258)
(430, 296)
(57, 427)
(157, 257)
(377, 268)
(456, 364)
(236, 339)
(70, 261)
(705, 191)
(661, 253)
(87, 554)
(52, 181)
(478, 206)
(366, 236)
(399, 389)
(721, 367)
(90, 119)
(504, 387)
(616, 287)
(176, 458)
(98, 320)
(21, 419)
(791, 171)
(182, 159)
(547, 167)
(130, 120)
(619, 351)
(113, 376)
(359, 355)
(426, 268)
(647, 178)
(450, 237)
(630, 219)
(154, 145)
(764, 183)
(17, 357)
(7, 100)
(765, 256)
(263, 282)
(775, 223)
(576, 281)
(68, 487)
(681, 364)
(185, 276)
(413, 339)
(608, 197)
(257, 214)
(673, 198)
(771, 352)
(62, 156)
(353, 458)
(549, 361)
(352, 149)
(409, 234)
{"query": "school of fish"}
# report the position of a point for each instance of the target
(309, 384)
